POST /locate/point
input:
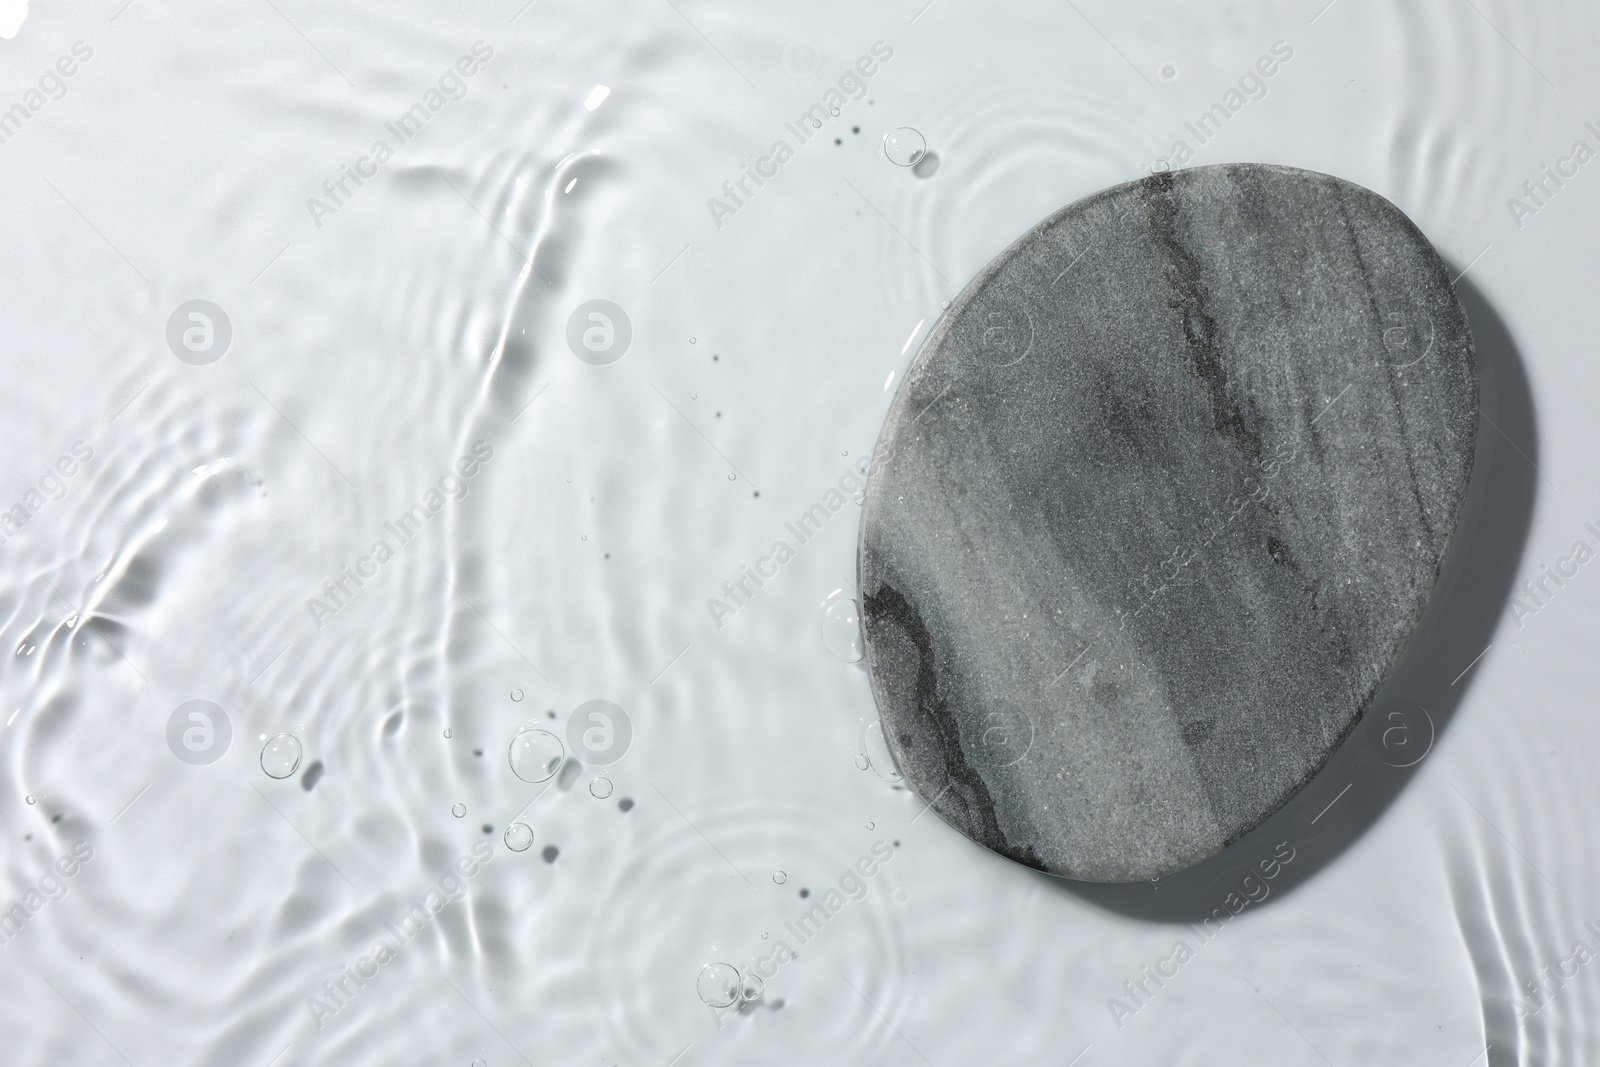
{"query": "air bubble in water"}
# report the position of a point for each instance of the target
(535, 755)
(447, 733)
(480, 1062)
(905, 147)
(800, 58)
(752, 988)
(459, 811)
(878, 755)
(516, 694)
(600, 788)
(519, 837)
(720, 984)
(862, 762)
(841, 629)
(778, 877)
(30, 798)
(280, 757)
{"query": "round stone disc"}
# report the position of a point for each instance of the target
(1156, 509)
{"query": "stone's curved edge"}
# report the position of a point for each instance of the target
(990, 834)
(969, 293)
(979, 826)
(1349, 190)
(970, 808)
(1463, 487)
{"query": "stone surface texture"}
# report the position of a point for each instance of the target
(1156, 509)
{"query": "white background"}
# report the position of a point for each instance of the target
(429, 312)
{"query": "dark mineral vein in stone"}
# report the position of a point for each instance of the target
(1156, 509)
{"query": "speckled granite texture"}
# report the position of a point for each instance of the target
(1156, 509)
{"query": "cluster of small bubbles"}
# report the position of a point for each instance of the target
(535, 755)
(904, 147)
(600, 788)
(720, 985)
(280, 757)
(778, 877)
(516, 694)
(519, 837)
(459, 811)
